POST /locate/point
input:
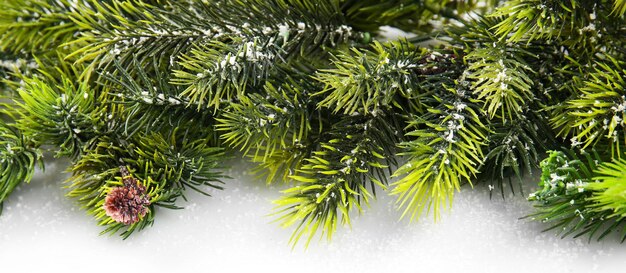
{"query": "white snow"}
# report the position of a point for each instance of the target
(41, 230)
(283, 30)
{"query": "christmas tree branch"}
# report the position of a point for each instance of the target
(18, 156)
(339, 176)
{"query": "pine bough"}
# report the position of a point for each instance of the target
(148, 98)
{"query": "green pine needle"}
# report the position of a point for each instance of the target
(445, 150)
(18, 157)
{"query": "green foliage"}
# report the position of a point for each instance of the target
(596, 116)
(35, 26)
(409, 15)
(582, 27)
(562, 198)
(619, 7)
(339, 176)
(364, 81)
(296, 26)
(217, 72)
(609, 192)
(307, 90)
(165, 165)
(192, 163)
(579, 195)
(537, 19)
(276, 130)
(136, 29)
(60, 112)
(502, 78)
(515, 147)
(147, 102)
(244, 55)
(11, 66)
(18, 156)
(518, 83)
(120, 30)
(445, 149)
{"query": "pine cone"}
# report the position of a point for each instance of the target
(127, 204)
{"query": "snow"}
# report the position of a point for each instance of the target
(283, 30)
(590, 27)
(232, 232)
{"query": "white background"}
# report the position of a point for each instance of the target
(231, 232)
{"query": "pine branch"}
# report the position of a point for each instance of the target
(35, 26)
(408, 15)
(250, 51)
(60, 112)
(538, 19)
(187, 160)
(446, 148)
(135, 30)
(596, 116)
(146, 102)
(18, 156)
(513, 148)
(575, 195)
(608, 196)
(165, 165)
(502, 78)
(141, 94)
(619, 7)
(219, 72)
(517, 86)
(276, 130)
(339, 177)
(11, 68)
(363, 81)
(584, 27)
(173, 28)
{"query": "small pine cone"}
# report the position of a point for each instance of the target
(127, 204)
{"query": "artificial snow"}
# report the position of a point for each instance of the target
(41, 230)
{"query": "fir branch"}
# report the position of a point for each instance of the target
(609, 191)
(515, 147)
(583, 27)
(537, 19)
(296, 26)
(608, 196)
(251, 48)
(596, 116)
(18, 156)
(156, 86)
(473, 34)
(36, 26)
(130, 30)
(165, 165)
(619, 7)
(276, 130)
(12, 67)
(173, 28)
(502, 78)
(147, 102)
(192, 163)
(218, 72)
(407, 15)
(445, 149)
(515, 110)
(364, 81)
(570, 191)
(340, 176)
(60, 112)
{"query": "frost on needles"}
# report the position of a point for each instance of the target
(162, 93)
